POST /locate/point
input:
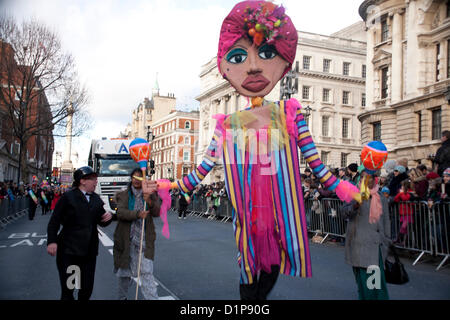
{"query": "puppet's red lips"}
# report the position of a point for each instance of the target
(255, 83)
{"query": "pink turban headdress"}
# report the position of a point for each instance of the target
(262, 22)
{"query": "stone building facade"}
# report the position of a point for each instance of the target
(408, 70)
(331, 80)
(147, 111)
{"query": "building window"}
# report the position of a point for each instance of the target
(187, 125)
(384, 83)
(364, 71)
(187, 140)
(326, 65)
(376, 131)
(436, 124)
(384, 29)
(345, 97)
(325, 121)
(346, 69)
(326, 95)
(306, 62)
(345, 123)
(448, 56)
(419, 123)
(438, 52)
(302, 159)
(186, 156)
(344, 160)
(363, 100)
(324, 157)
(305, 92)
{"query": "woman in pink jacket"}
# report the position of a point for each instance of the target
(405, 209)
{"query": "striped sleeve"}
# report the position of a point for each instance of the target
(309, 151)
(213, 153)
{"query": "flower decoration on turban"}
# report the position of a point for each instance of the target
(262, 22)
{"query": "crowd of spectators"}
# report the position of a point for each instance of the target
(214, 194)
(46, 196)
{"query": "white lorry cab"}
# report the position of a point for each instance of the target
(113, 164)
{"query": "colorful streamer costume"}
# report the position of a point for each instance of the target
(261, 163)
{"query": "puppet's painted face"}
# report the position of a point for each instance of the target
(252, 71)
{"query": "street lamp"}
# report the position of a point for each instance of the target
(150, 135)
(308, 110)
(289, 85)
(169, 173)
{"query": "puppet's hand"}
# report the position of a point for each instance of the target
(347, 192)
(166, 184)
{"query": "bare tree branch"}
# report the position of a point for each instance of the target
(38, 82)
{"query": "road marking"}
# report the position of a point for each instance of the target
(107, 242)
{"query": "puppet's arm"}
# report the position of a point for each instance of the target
(344, 190)
(189, 182)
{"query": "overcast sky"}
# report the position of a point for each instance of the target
(120, 45)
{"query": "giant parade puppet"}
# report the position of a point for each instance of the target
(258, 149)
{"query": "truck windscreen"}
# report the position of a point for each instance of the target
(116, 167)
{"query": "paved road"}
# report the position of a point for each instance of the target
(198, 262)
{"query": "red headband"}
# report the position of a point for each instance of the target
(264, 22)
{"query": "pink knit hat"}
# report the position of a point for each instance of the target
(261, 22)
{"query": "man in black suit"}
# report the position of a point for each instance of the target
(79, 211)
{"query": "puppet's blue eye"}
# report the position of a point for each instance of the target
(267, 52)
(237, 56)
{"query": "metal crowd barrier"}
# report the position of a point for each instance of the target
(440, 221)
(11, 210)
(414, 225)
(411, 227)
(199, 207)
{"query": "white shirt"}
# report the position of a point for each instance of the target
(86, 195)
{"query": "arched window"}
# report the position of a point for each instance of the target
(187, 125)
(187, 140)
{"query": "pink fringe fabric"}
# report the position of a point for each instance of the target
(376, 209)
(291, 111)
(346, 191)
(163, 193)
(267, 251)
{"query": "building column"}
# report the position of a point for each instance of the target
(370, 69)
(397, 61)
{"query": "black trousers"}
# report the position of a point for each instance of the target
(260, 287)
(32, 211)
(45, 208)
(182, 211)
(86, 266)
